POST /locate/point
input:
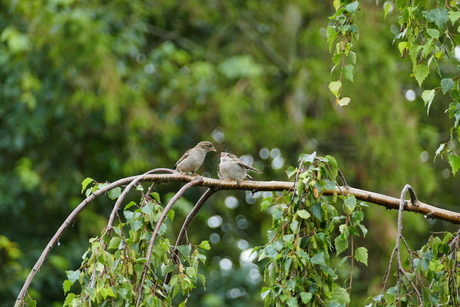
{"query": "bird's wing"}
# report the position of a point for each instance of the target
(184, 156)
(245, 166)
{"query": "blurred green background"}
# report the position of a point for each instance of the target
(109, 89)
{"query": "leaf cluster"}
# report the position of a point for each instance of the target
(433, 276)
(428, 34)
(309, 232)
(114, 264)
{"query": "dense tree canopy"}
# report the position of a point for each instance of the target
(109, 89)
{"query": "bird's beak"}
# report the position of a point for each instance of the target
(213, 149)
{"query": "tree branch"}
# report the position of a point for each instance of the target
(370, 197)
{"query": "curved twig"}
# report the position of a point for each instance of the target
(125, 192)
(168, 207)
(399, 237)
(186, 223)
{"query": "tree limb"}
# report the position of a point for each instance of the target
(370, 197)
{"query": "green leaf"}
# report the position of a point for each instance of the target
(340, 244)
(306, 297)
(303, 214)
(363, 229)
(343, 102)
(357, 217)
(455, 95)
(114, 244)
(439, 16)
(105, 292)
(433, 33)
(69, 299)
(402, 46)
(185, 250)
(277, 213)
(191, 271)
(129, 205)
(386, 8)
(421, 71)
(136, 225)
(352, 7)
(171, 214)
(66, 285)
(427, 97)
(267, 202)
(292, 302)
(318, 259)
(340, 295)
(447, 84)
(331, 34)
(334, 166)
(440, 149)
(303, 254)
(156, 196)
(294, 225)
(85, 183)
(290, 171)
(166, 268)
(454, 162)
(308, 157)
(317, 212)
(147, 209)
(73, 275)
(454, 16)
(352, 57)
(361, 255)
(349, 71)
(205, 245)
(342, 261)
(344, 230)
(114, 193)
(335, 87)
(337, 4)
(350, 202)
(202, 279)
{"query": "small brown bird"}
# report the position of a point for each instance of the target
(231, 168)
(194, 157)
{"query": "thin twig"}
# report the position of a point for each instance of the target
(168, 207)
(186, 224)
